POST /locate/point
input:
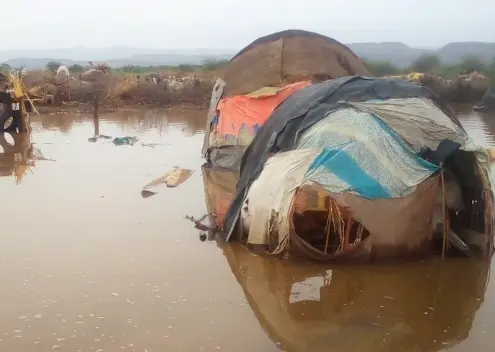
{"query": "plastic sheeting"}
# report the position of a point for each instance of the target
(251, 111)
(363, 155)
(418, 120)
(306, 107)
(219, 187)
(271, 196)
(401, 222)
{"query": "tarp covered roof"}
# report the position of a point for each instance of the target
(286, 57)
(308, 106)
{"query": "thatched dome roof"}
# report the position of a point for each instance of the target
(287, 57)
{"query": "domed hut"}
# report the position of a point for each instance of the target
(287, 57)
(394, 172)
(260, 77)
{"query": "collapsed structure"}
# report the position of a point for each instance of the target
(348, 167)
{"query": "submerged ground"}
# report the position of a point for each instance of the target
(87, 264)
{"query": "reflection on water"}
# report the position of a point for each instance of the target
(425, 306)
(87, 264)
(17, 155)
(407, 307)
(481, 128)
(138, 120)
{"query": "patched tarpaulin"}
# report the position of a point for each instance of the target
(306, 107)
(233, 121)
(251, 111)
(363, 155)
(270, 201)
(272, 194)
(219, 186)
(418, 121)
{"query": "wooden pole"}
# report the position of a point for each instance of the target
(96, 117)
(96, 105)
(24, 125)
(444, 210)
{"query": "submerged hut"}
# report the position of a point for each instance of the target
(260, 77)
(393, 171)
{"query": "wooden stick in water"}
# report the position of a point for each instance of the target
(444, 211)
(329, 223)
(96, 105)
(347, 231)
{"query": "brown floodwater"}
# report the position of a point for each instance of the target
(87, 264)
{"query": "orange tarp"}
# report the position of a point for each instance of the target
(234, 112)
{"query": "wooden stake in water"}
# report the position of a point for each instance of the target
(445, 219)
(96, 118)
(96, 105)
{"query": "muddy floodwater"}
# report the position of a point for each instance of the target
(87, 264)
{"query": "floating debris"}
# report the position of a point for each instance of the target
(96, 138)
(152, 145)
(125, 140)
(172, 178)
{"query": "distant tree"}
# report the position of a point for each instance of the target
(490, 72)
(76, 68)
(186, 67)
(53, 66)
(426, 63)
(212, 64)
(470, 64)
(132, 69)
(5, 68)
(382, 68)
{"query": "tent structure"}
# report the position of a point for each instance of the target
(396, 165)
(287, 57)
(259, 78)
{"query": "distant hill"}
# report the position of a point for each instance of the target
(116, 57)
(399, 54)
(402, 55)
(454, 52)
(31, 63)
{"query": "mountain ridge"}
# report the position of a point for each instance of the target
(399, 54)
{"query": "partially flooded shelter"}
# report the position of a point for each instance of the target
(363, 167)
(259, 78)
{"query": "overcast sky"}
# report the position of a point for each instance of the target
(189, 24)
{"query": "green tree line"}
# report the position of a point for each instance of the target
(205, 66)
(432, 64)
